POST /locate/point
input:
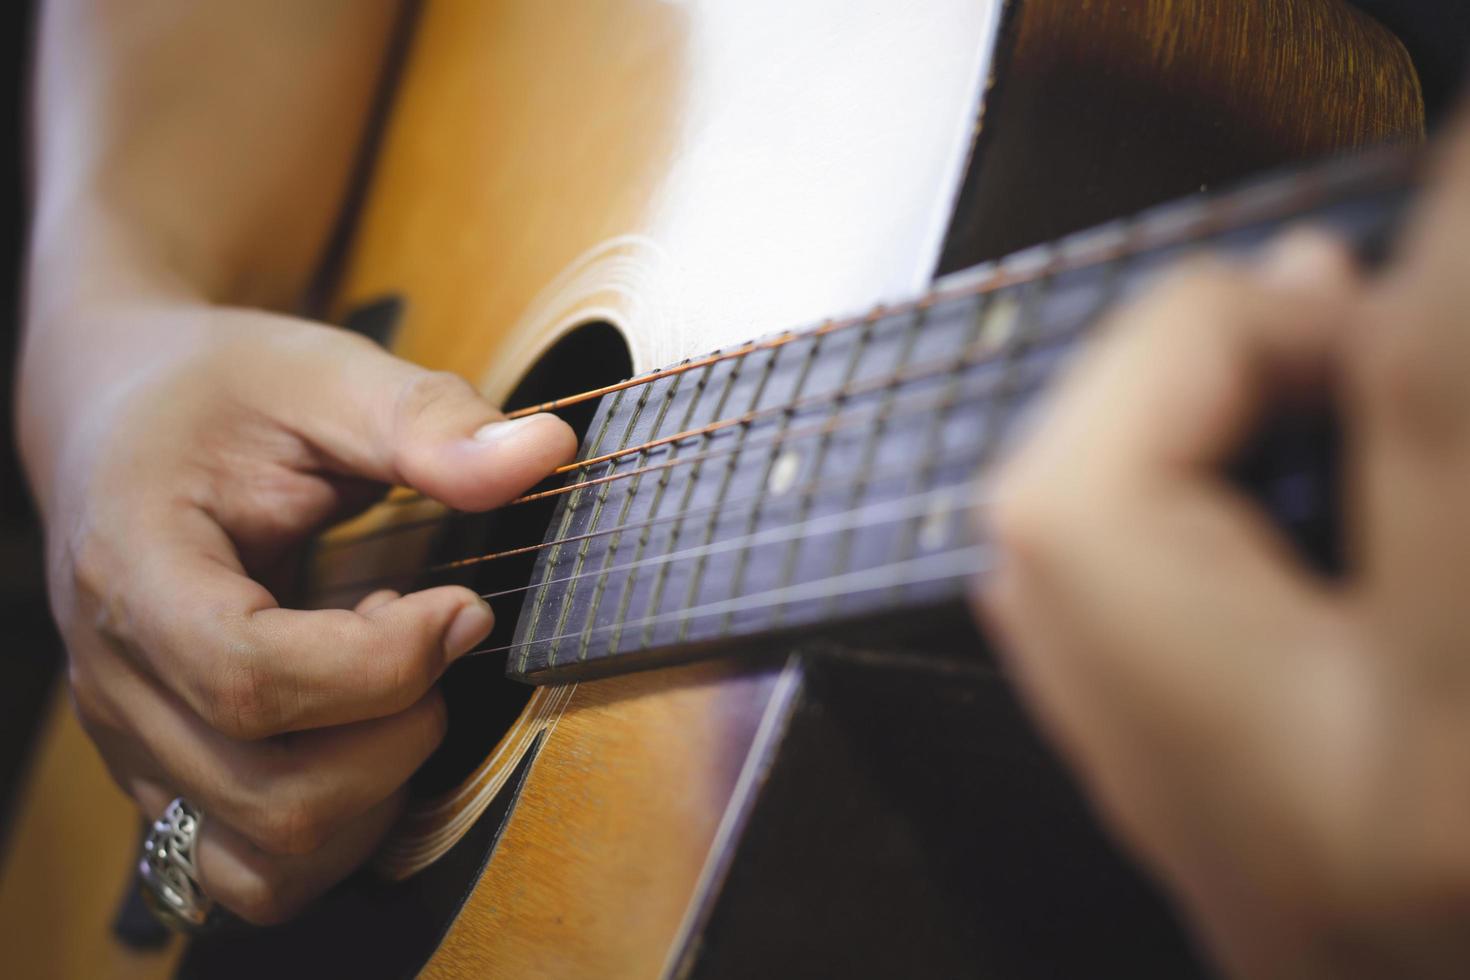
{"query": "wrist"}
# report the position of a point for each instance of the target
(104, 304)
(87, 255)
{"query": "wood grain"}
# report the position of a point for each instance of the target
(607, 842)
(695, 174)
(1104, 107)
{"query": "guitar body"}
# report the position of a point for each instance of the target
(691, 175)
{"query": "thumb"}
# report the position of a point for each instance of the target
(378, 416)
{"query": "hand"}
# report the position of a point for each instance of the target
(1291, 756)
(176, 486)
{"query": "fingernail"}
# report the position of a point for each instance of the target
(493, 432)
(1304, 259)
(471, 625)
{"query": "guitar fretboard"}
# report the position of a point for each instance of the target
(829, 476)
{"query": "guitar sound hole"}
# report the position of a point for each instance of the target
(483, 703)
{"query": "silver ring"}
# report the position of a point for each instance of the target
(169, 869)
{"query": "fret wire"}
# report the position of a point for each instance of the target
(565, 518)
(843, 547)
(742, 557)
(877, 385)
(598, 502)
(957, 563)
(933, 439)
(1096, 255)
(804, 501)
(647, 526)
(820, 430)
(950, 498)
(997, 412)
(733, 456)
(656, 592)
(806, 490)
(1239, 209)
(622, 518)
(813, 526)
(1114, 275)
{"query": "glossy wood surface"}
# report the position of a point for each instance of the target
(1117, 105)
(608, 840)
(71, 851)
(695, 173)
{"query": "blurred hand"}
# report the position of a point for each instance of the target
(1290, 755)
(182, 483)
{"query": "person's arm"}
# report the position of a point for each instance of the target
(1290, 755)
(183, 153)
(180, 439)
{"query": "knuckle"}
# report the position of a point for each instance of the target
(1023, 517)
(425, 397)
(239, 700)
(413, 670)
(426, 391)
(404, 665)
(90, 572)
(93, 592)
(86, 697)
(289, 827)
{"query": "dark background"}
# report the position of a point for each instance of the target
(1436, 32)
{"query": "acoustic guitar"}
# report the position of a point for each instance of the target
(733, 719)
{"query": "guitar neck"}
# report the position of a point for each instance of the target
(827, 475)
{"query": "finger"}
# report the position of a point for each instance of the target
(1226, 335)
(287, 795)
(253, 669)
(1413, 350)
(1410, 409)
(1143, 600)
(263, 888)
(1146, 421)
(377, 416)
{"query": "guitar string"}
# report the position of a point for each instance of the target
(1215, 216)
(826, 398)
(922, 372)
(1002, 276)
(943, 502)
(1117, 246)
(975, 356)
(751, 500)
(970, 560)
(930, 504)
(834, 424)
(986, 349)
(917, 570)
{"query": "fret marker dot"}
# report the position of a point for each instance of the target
(1000, 322)
(784, 472)
(934, 531)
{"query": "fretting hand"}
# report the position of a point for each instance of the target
(1291, 756)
